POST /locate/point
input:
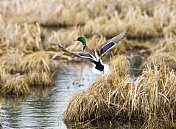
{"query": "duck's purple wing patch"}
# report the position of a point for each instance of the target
(85, 55)
(107, 47)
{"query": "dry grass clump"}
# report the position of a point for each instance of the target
(18, 46)
(39, 68)
(12, 84)
(140, 26)
(53, 12)
(163, 53)
(5, 71)
(159, 58)
(154, 96)
(168, 45)
(11, 59)
(146, 18)
(15, 84)
(37, 61)
(150, 99)
(40, 78)
(102, 25)
(97, 102)
(19, 72)
(58, 12)
(163, 16)
(63, 13)
(25, 37)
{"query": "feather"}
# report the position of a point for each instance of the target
(107, 47)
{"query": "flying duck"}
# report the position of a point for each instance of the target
(94, 55)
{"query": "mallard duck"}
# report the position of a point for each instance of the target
(94, 55)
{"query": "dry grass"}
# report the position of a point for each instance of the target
(21, 34)
(53, 12)
(156, 98)
(95, 101)
(11, 60)
(24, 62)
(103, 25)
(20, 71)
(151, 98)
(40, 78)
(12, 84)
(18, 46)
(145, 19)
(37, 61)
(168, 45)
(15, 84)
(36, 69)
(19, 43)
(163, 53)
(140, 27)
(25, 37)
(158, 59)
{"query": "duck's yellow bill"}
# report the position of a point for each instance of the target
(75, 39)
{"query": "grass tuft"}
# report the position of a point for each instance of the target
(40, 78)
(14, 84)
(38, 61)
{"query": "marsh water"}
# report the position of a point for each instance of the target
(44, 108)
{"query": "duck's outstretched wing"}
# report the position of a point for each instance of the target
(111, 43)
(77, 53)
(119, 37)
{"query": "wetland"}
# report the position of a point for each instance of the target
(44, 87)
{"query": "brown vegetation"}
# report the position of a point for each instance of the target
(150, 98)
(23, 61)
(18, 74)
(145, 19)
(163, 53)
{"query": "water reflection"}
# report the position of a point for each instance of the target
(135, 63)
(45, 106)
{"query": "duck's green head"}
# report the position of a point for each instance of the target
(82, 40)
